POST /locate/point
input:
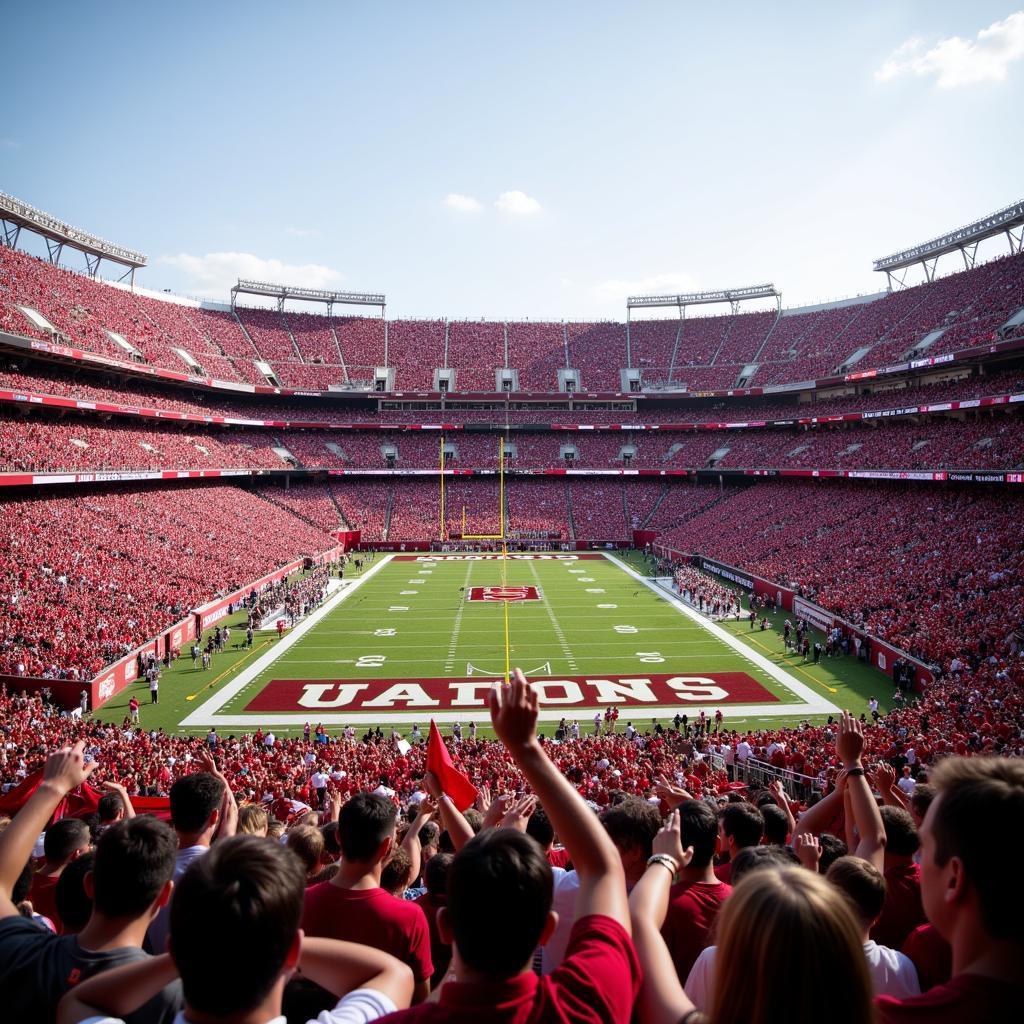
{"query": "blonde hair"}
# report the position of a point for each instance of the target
(252, 820)
(789, 948)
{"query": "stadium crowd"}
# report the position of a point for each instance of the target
(678, 896)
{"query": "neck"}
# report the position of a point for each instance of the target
(976, 952)
(358, 875)
(705, 874)
(105, 933)
(187, 839)
(269, 1009)
(470, 976)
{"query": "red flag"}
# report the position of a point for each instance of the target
(453, 782)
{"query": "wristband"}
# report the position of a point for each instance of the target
(666, 862)
(855, 771)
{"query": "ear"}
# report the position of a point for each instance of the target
(956, 882)
(294, 950)
(165, 896)
(549, 928)
(89, 885)
(444, 926)
(385, 848)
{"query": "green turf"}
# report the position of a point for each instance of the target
(442, 633)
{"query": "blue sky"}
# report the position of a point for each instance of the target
(514, 160)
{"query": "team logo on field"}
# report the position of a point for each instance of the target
(503, 594)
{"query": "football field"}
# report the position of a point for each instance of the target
(422, 636)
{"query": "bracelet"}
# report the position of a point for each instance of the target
(666, 862)
(855, 771)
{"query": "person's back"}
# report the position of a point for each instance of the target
(64, 841)
(976, 908)
(903, 910)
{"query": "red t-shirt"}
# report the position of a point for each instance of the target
(374, 918)
(724, 872)
(596, 983)
(902, 911)
(43, 897)
(691, 913)
(931, 954)
(559, 857)
(967, 997)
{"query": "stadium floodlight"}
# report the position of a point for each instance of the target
(15, 214)
(282, 292)
(1009, 220)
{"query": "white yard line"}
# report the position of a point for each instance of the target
(203, 714)
(449, 662)
(814, 703)
(559, 635)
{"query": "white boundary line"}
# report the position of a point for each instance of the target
(814, 703)
(205, 714)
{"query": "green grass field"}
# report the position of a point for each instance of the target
(404, 643)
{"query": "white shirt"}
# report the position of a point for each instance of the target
(907, 783)
(565, 889)
(743, 750)
(318, 780)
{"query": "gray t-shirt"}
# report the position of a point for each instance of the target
(38, 967)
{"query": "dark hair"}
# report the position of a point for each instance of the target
(698, 827)
(435, 874)
(74, 905)
(21, 888)
(538, 826)
(194, 798)
(832, 848)
(430, 834)
(922, 797)
(394, 876)
(134, 861)
(499, 896)
(753, 858)
(861, 883)
(632, 824)
(109, 806)
(900, 832)
(331, 844)
(307, 843)
(363, 824)
(63, 838)
(743, 823)
(776, 824)
(245, 897)
(975, 795)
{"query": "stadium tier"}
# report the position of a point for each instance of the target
(308, 351)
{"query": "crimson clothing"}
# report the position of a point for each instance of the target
(440, 951)
(902, 911)
(967, 997)
(596, 983)
(692, 910)
(373, 917)
(724, 872)
(43, 897)
(559, 858)
(931, 955)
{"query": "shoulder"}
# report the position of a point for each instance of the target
(600, 968)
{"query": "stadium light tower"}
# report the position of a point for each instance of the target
(1008, 221)
(281, 292)
(15, 215)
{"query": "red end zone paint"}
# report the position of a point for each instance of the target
(503, 594)
(569, 692)
(495, 557)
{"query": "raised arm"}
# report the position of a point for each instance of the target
(411, 841)
(227, 823)
(342, 967)
(884, 779)
(778, 792)
(850, 747)
(459, 830)
(119, 991)
(662, 997)
(126, 800)
(602, 881)
(65, 770)
(821, 814)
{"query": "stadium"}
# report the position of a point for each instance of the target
(725, 557)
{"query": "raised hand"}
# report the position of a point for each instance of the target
(432, 785)
(483, 798)
(850, 741)
(66, 768)
(808, 849)
(669, 842)
(519, 813)
(514, 711)
(672, 794)
(496, 810)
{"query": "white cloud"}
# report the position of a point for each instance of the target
(302, 232)
(670, 283)
(955, 61)
(212, 275)
(467, 204)
(517, 203)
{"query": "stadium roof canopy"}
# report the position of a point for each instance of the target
(16, 215)
(1009, 220)
(281, 292)
(734, 296)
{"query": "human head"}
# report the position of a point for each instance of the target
(74, 904)
(394, 878)
(252, 820)
(776, 825)
(430, 840)
(253, 890)
(307, 843)
(753, 858)
(366, 828)
(920, 800)
(132, 870)
(110, 808)
(632, 824)
(195, 803)
(862, 884)
(435, 874)
(503, 876)
(901, 841)
(787, 943)
(698, 827)
(539, 827)
(742, 826)
(65, 840)
(975, 797)
(832, 848)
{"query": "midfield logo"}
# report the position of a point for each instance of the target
(503, 594)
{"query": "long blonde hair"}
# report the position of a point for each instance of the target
(789, 948)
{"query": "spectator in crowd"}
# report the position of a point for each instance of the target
(64, 842)
(741, 825)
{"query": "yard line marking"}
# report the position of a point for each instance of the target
(559, 635)
(449, 663)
